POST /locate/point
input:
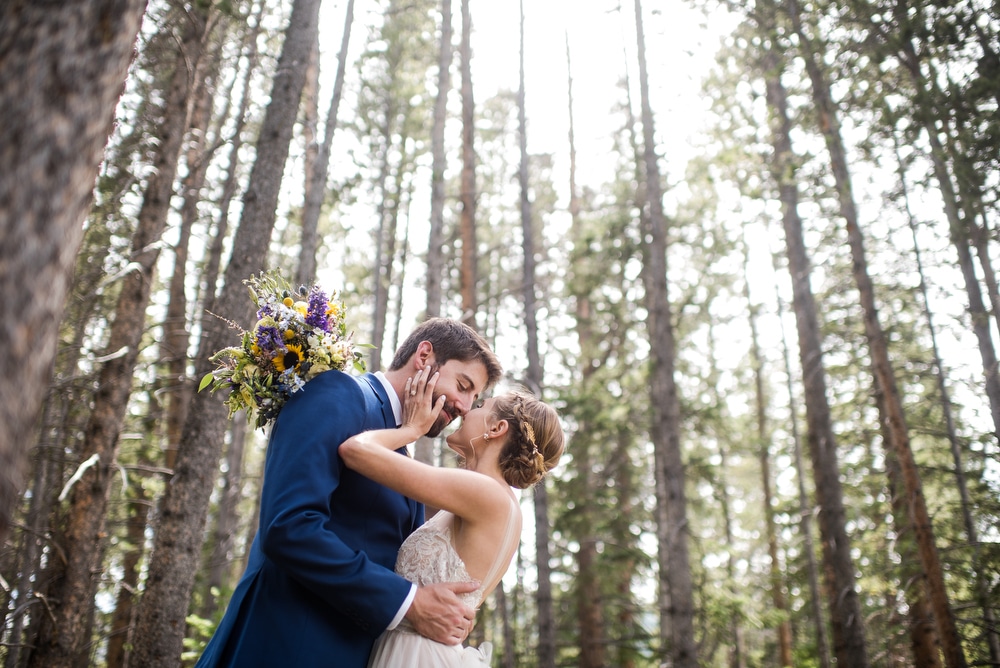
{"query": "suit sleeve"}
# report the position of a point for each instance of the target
(302, 471)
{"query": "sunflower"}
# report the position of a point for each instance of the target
(292, 358)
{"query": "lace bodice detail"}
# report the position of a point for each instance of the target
(428, 555)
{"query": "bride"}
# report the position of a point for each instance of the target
(475, 535)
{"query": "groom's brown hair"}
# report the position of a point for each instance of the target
(452, 340)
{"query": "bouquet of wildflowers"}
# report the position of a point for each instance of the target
(297, 337)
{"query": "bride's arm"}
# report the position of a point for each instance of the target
(370, 453)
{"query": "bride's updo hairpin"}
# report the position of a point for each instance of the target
(527, 431)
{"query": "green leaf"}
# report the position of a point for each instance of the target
(206, 381)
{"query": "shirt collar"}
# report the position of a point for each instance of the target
(397, 407)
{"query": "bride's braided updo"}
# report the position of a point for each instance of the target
(535, 438)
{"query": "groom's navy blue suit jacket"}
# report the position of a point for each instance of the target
(319, 586)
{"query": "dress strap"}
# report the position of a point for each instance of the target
(511, 539)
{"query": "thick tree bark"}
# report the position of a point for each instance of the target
(176, 549)
(665, 427)
(467, 225)
(66, 640)
(894, 422)
(318, 175)
(63, 66)
(842, 596)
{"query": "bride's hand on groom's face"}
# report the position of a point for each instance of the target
(420, 408)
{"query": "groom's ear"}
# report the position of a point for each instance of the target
(423, 357)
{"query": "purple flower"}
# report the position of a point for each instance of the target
(266, 311)
(269, 340)
(316, 313)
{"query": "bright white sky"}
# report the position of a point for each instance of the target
(680, 49)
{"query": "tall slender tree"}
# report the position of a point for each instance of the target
(675, 567)
(317, 176)
(805, 507)
(467, 224)
(912, 59)
(764, 457)
(176, 549)
(895, 419)
(971, 531)
(842, 596)
(439, 162)
(590, 627)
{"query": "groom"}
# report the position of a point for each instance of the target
(319, 586)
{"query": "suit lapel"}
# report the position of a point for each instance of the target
(385, 406)
(389, 420)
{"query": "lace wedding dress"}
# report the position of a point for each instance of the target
(428, 556)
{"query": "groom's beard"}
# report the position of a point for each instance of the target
(444, 418)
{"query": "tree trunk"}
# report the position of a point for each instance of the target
(507, 660)
(424, 449)
(318, 175)
(467, 224)
(174, 346)
(66, 639)
(842, 596)
(737, 643)
(885, 378)
(924, 640)
(957, 229)
(665, 428)
(439, 162)
(805, 507)
(385, 234)
(306, 270)
(220, 558)
(119, 640)
(625, 654)
(176, 549)
(64, 67)
(44, 490)
(404, 251)
(659, 511)
(534, 377)
(590, 623)
(971, 532)
(764, 457)
(229, 184)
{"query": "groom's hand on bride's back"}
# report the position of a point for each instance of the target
(440, 615)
